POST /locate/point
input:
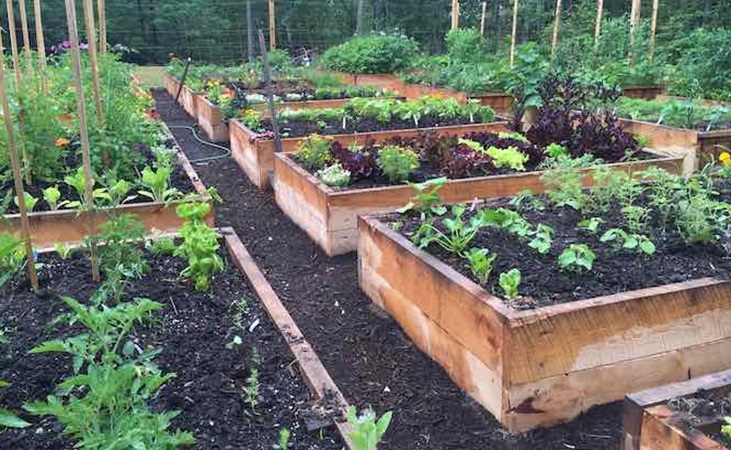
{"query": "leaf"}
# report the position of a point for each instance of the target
(383, 423)
(10, 420)
(647, 246)
(54, 346)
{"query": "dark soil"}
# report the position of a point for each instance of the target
(178, 179)
(365, 352)
(614, 270)
(300, 128)
(705, 410)
(193, 330)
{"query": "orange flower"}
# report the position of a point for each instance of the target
(62, 142)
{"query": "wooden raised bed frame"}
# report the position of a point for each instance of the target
(187, 96)
(255, 156)
(70, 227)
(330, 216)
(545, 366)
(697, 147)
(648, 92)
(649, 424)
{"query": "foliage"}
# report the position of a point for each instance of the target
(622, 239)
(480, 263)
(200, 245)
(690, 114)
(427, 200)
(12, 257)
(509, 157)
(334, 175)
(577, 258)
(510, 283)
(367, 429)
(314, 152)
(458, 235)
(360, 162)
(157, 184)
(542, 239)
(376, 53)
(397, 163)
(465, 45)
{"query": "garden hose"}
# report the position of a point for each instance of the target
(204, 142)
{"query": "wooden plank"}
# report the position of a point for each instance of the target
(210, 119)
(649, 92)
(310, 365)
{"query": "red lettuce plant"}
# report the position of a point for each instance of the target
(360, 163)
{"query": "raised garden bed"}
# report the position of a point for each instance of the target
(570, 340)
(330, 215)
(382, 80)
(648, 92)
(195, 331)
(696, 147)
(70, 226)
(188, 98)
(682, 416)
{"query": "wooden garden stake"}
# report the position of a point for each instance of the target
(359, 18)
(270, 95)
(249, 32)
(653, 27)
(482, 18)
(91, 37)
(14, 45)
(26, 37)
(514, 34)
(40, 42)
(83, 129)
(17, 177)
(598, 25)
(634, 23)
(556, 24)
(272, 27)
(455, 14)
(102, 14)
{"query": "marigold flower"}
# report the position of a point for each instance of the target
(725, 158)
(62, 142)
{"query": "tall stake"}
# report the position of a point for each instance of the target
(598, 24)
(17, 177)
(634, 21)
(249, 32)
(26, 37)
(455, 14)
(359, 18)
(514, 34)
(556, 23)
(83, 130)
(272, 27)
(14, 45)
(483, 18)
(270, 95)
(91, 37)
(653, 27)
(40, 42)
(102, 19)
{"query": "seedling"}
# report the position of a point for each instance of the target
(510, 282)
(480, 262)
(367, 432)
(622, 239)
(577, 258)
(542, 239)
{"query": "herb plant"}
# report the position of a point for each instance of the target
(397, 163)
(577, 258)
(480, 262)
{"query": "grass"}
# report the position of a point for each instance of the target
(149, 76)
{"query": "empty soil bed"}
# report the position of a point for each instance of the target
(192, 330)
(367, 354)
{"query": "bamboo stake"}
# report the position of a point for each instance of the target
(598, 25)
(40, 42)
(102, 13)
(272, 27)
(17, 177)
(634, 21)
(91, 37)
(83, 130)
(14, 45)
(514, 34)
(653, 27)
(483, 18)
(455, 14)
(556, 24)
(26, 38)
